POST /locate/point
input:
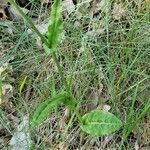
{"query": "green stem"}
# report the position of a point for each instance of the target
(76, 110)
(61, 73)
(44, 40)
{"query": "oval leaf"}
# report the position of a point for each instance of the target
(99, 122)
(43, 110)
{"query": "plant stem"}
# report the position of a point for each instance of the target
(76, 110)
(61, 73)
(44, 40)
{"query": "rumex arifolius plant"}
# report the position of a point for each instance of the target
(96, 122)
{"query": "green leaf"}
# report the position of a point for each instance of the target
(43, 110)
(55, 27)
(99, 122)
(70, 102)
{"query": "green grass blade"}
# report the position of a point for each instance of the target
(1, 84)
(131, 114)
(22, 84)
(137, 120)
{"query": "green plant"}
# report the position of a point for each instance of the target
(97, 122)
(132, 125)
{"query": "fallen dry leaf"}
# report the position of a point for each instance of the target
(3, 5)
(5, 69)
(92, 96)
(41, 27)
(39, 43)
(96, 6)
(145, 148)
(14, 14)
(104, 107)
(83, 8)
(106, 140)
(64, 119)
(118, 11)
(21, 139)
(61, 146)
(45, 2)
(136, 146)
(68, 7)
(9, 12)
(2, 14)
(7, 90)
(23, 3)
(146, 130)
(95, 32)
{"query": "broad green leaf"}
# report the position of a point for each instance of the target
(70, 102)
(55, 27)
(43, 110)
(99, 122)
